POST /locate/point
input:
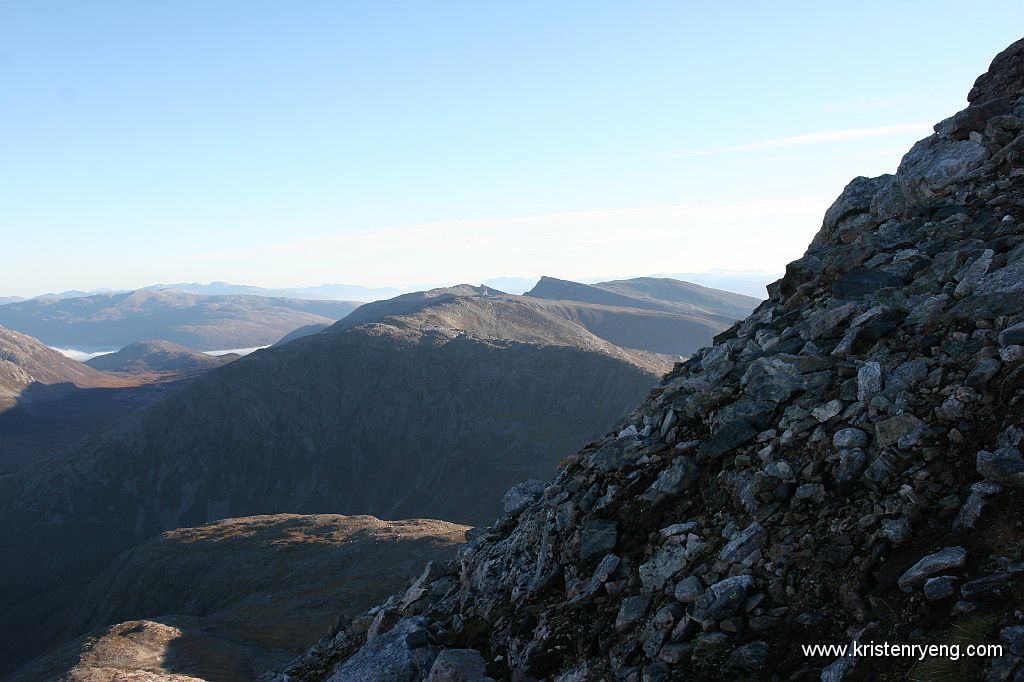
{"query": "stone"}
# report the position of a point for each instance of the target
(632, 610)
(813, 493)
(825, 412)
(1012, 335)
(629, 432)
(1005, 465)
(850, 438)
(939, 587)
(743, 543)
(598, 537)
(668, 561)
(678, 477)
(851, 465)
(384, 658)
(749, 657)
(604, 571)
(780, 470)
(890, 431)
(973, 508)
(675, 653)
(869, 381)
(943, 560)
(860, 282)
(458, 665)
(677, 529)
(896, 531)
(722, 599)
(707, 645)
(839, 669)
(729, 437)
(688, 590)
(1011, 354)
(520, 496)
(974, 274)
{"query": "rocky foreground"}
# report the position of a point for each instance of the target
(844, 464)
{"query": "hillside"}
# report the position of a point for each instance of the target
(115, 320)
(158, 356)
(197, 600)
(25, 361)
(844, 464)
(435, 413)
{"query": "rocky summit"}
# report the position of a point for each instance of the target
(844, 464)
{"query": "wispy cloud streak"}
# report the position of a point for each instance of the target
(806, 139)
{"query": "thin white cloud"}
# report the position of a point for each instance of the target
(806, 139)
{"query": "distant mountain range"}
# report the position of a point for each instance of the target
(204, 322)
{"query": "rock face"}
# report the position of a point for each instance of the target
(192, 320)
(225, 582)
(831, 446)
(158, 356)
(432, 413)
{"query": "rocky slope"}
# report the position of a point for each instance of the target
(845, 464)
(114, 320)
(198, 601)
(158, 356)
(434, 413)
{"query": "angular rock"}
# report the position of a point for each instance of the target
(384, 658)
(632, 610)
(599, 536)
(722, 599)
(1005, 465)
(679, 476)
(522, 495)
(666, 563)
(939, 587)
(459, 665)
(943, 560)
(890, 431)
(1012, 335)
(869, 381)
(850, 438)
(743, 543)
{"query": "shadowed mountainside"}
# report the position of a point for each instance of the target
(429, 414)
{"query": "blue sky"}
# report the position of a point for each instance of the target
(399, 143)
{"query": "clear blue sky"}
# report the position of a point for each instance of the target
(295, 143)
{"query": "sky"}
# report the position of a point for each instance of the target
(400, 143)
